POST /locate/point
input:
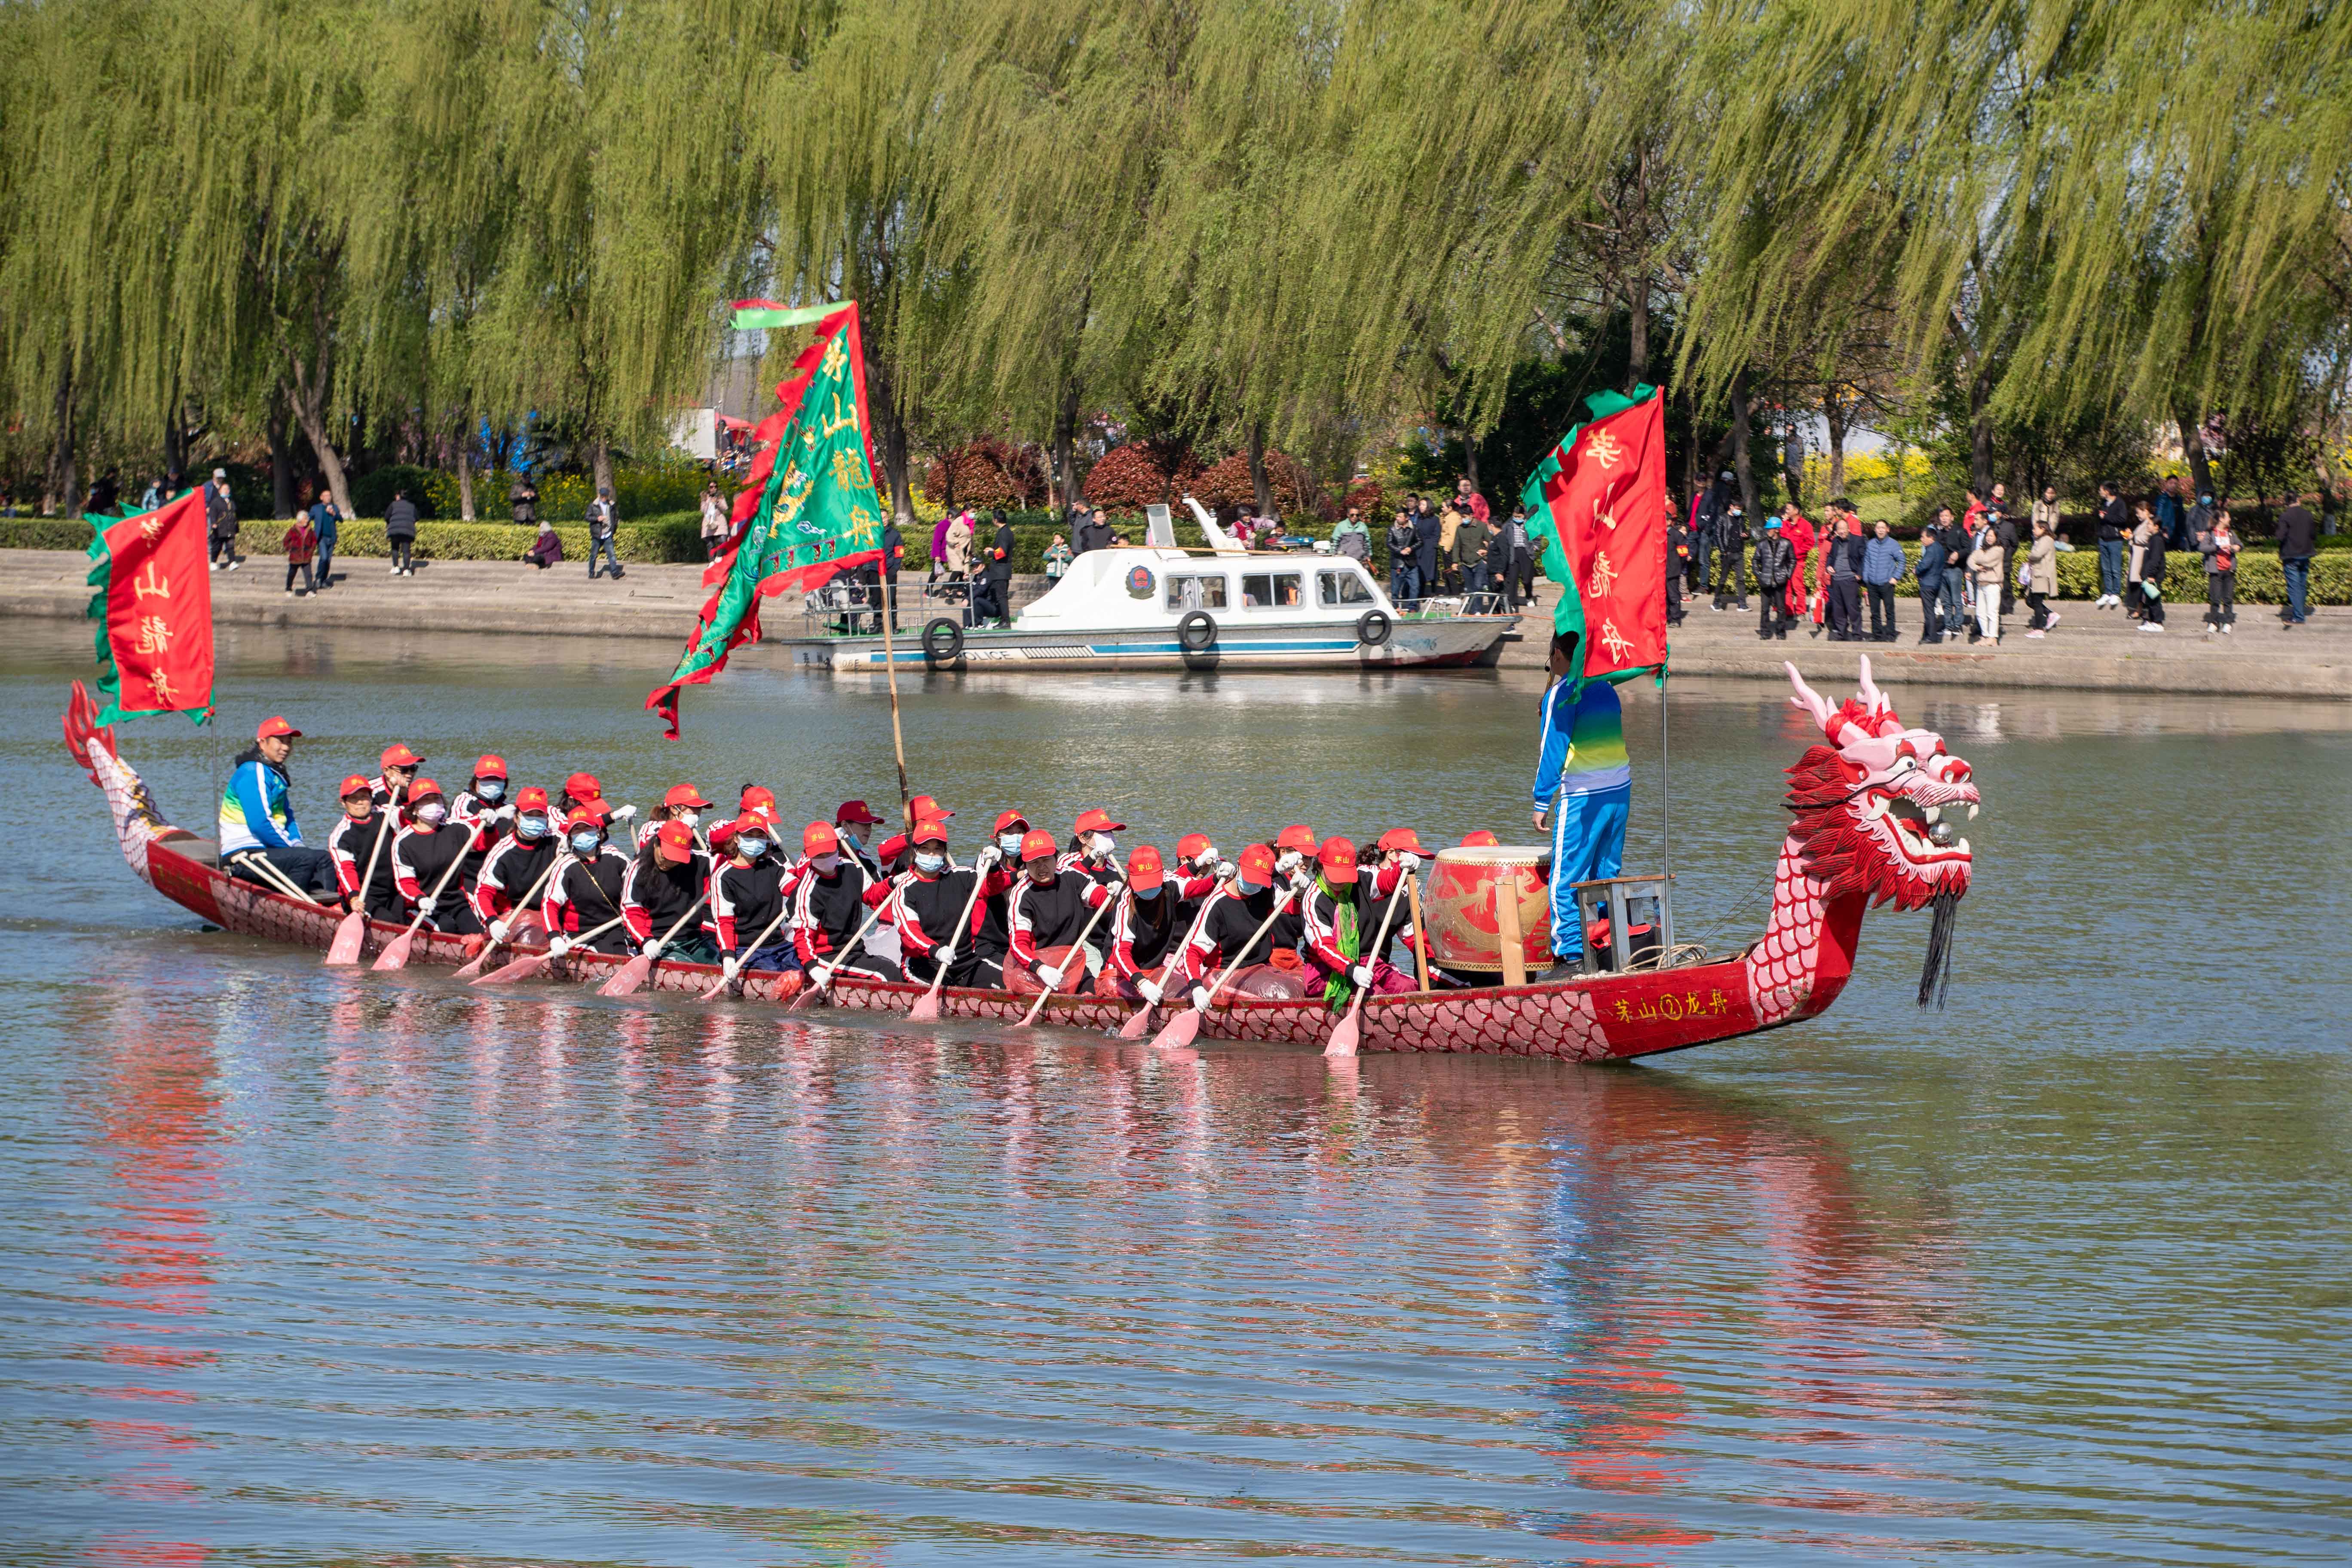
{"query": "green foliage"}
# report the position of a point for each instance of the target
(638, 491)
(373, 493)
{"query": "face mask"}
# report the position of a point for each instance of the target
(531, 826)
(585, 843)
(826, 865)
(689, 817)
(1147, 894)
(850, 839)
(431, 813)
(1104, 844)
(926, 861)
(752, 848)
(1009, 842)
(1247, 888)
(491, 789)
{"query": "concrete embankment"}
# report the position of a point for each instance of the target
(2095, 650)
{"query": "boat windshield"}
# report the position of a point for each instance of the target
(1270, 590)
(1335, 589)
(1196, 592)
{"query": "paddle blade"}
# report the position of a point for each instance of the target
(351, 935)
(520, 969)
(627, 978)
(926, 1007)
(1180, 1031)
(396, 955)
(1136, 1022)
(1345, 1037)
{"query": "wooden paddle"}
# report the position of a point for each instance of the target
(631, 975)
(351, 932)
(927, 1005)
(396, 954)
(255, 861)
(835, 968)
(529, 963)
(1348, 1032)
(1078, 959)
(1420, 935)
(1181, 1028)
(524, 916)
(1140, 1019)
(784, 910)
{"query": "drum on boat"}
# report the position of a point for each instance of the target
(1486, 900)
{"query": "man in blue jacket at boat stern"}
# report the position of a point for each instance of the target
(257, 818)
(1584, 789)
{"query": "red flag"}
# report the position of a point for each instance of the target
(155, 598)
(1607, 503)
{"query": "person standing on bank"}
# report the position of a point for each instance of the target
(1775, 568)
(220, 522)
(1427, 541)
(400, 532)
(326, 523)
(2115, 527)
(1956, 600)
(1985, 567)
(2147, 569)
(1730, 553)
(716, 524)
(603, 523)
(2045, 511)
(1882, 566)
(2041, 577)
(2219, 547)
(301, 543)
(522, 500)
(1845, 564)
(2298, 536)
(1933, 563)
(257, 816)
(1404, 571)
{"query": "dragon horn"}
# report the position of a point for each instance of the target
(1871, 698)
(1811, 701)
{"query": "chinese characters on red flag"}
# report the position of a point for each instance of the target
(1608, 501)
(155, 598)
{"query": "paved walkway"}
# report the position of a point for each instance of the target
(2090, 649)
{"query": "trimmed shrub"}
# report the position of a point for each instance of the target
(45, 534)
(641, 493)
(987, 473)
(1140, 473)
(1228, 484)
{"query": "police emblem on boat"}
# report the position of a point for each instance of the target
(1140, 582)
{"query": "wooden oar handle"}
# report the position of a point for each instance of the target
(963, 923)
(1234, 967)
(1380, 943)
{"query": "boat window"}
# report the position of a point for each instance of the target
(1193, 593)
(1338, 588)
(1271, 590)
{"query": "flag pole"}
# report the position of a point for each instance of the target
(887, 609)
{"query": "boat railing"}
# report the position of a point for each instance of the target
(837, 608)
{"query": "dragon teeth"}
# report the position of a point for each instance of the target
(1972, 810)
(1933, 814)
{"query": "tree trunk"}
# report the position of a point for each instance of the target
(1470, 462)
(281, 458)
(62, 493)
(1065, 450)
(1637, 358)
(1980, 428)
(1258, 485)
(176, 447)
(309, 402)
(466, 469)
(2192, 446)
(1740, 467)
(1833, 416)
(600, 463)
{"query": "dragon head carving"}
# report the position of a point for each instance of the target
(1879, 807)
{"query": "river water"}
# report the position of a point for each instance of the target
(309, 1266)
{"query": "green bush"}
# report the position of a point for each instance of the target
(372, 492)
(641, 492)
(43, 533)
(2261, 579)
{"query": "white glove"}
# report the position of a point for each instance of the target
(729, 965)
(557, 946)
(1148, 990)
(1286, 861)
(625, 814)
(987, 858)
(503, 813)
(1200, 997)
(652, 949)
(1361, 975)
(499, 930)
(821, 975)
(1226, 869)
(1411, 863)
(1050, 976)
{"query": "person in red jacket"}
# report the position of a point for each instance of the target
(1147, 931)
(1338, 949)
(1093, 843)
(1227, 935)
(518, 866)
(302, 546)
(829, 908)
(927, 901)
(584, 891)
(1049, 909)
(664, 892)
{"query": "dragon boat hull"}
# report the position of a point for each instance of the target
(1826, 879)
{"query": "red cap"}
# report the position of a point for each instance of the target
(923, 805)
(819, 839)
(1143, 868)
(488, 766)
(1257, 863)
(890, 849)
(1097, 822)
(1338, 857)
(1008, 819)
(854, 811)
(675, 835)
(1400, 838)
(531, 799)
(930, 830)
(1193, 844)
(585, 817)
(421, 789)
(273, 726)
(355, 784)
(1037, 844)
(394, 757)
(1482, 840)
(685, 795)
(1298, 837)
(757, 796)
(584, 786)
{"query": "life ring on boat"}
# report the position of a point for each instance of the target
(943, 642)
(1197, 632)
(1373, 628)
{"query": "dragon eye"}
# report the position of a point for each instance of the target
(1906, 749)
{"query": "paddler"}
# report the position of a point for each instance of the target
(1093, 843)
(828, 908)
(353, 846)
(1048, 907)
(584, 891)
(482, 807)
(1195, 874)
(578, 790)
(1337, 962)
(747, 894)
(421, 857)
(926, 903)
(1399, 856)
(1236, 910)
(683, 802)
(1011, 828)
(1146, 930)
(395, 771)
(1295, 850)
(849, 826)
(664, 885)
(257, 816)
(512, 870)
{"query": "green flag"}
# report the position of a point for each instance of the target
(809, 509)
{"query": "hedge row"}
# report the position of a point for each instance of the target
(2261, 579)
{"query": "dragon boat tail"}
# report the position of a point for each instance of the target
(1875, 807)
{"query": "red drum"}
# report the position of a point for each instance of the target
(1466, 912)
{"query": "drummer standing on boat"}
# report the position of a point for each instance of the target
(1584, 791)
(257, 816)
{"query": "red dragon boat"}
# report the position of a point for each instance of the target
(1869, 807)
